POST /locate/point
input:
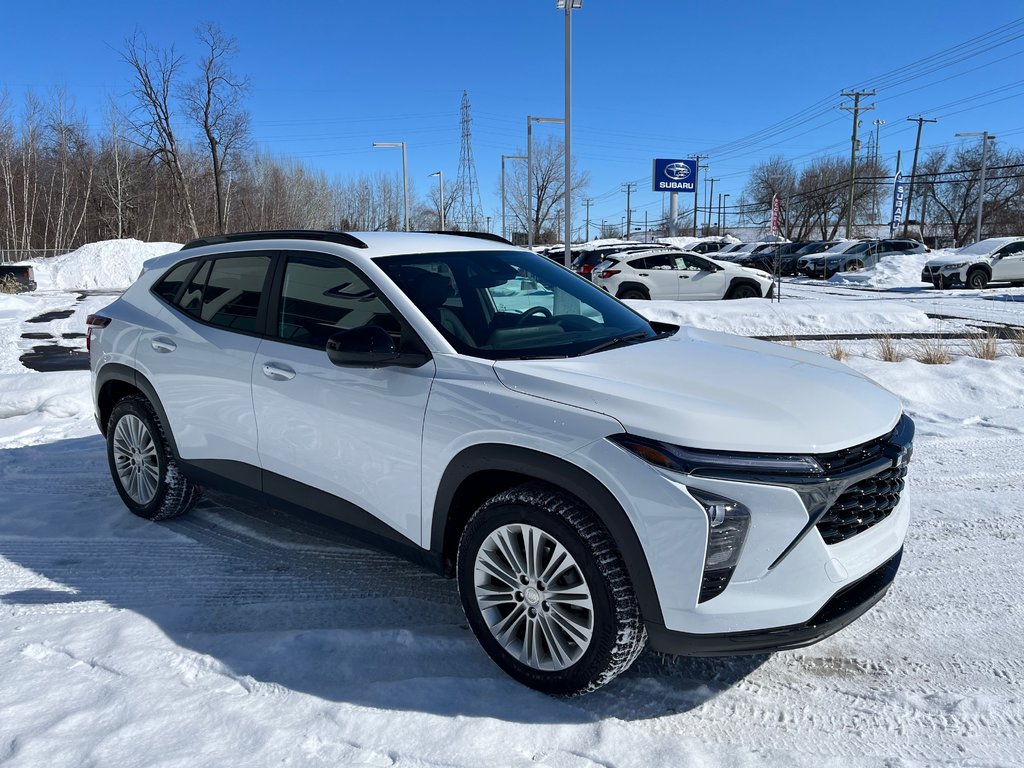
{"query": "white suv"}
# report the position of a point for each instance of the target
(591, 479)
(976, 265)
(672, 274)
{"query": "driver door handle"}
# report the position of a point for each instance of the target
(278, 372)
(643, 274)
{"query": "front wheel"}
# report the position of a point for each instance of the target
(546, 592)
(142, 466)
(853, 266)
(977, 280)
(743, 291)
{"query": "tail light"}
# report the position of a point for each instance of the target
(586, 269)
(609, 273)
(94, 321)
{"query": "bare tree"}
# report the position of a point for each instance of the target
(548, 191)
(214, 102)
(155, 75)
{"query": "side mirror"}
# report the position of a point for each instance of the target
(366, 347)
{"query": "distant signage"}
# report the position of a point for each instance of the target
(775, 214)
(897, 204)
(675, 175)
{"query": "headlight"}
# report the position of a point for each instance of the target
(949, 267)
(699, 461)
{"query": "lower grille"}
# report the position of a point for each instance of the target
(714, 583)
(863, 505)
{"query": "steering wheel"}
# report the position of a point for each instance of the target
(533, 311)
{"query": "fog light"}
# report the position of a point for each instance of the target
(728, 523)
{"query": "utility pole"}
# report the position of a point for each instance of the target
(986, 137)
(587, 203)
(628, 188)
(913, 171)
(718, 229)
(698, 158)
(875, 210)
(711, 200)
(856, 109)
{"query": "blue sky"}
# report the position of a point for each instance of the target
(662, 78)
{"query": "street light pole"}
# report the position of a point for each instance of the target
(504, 228)
(568, 6)
(985, 138)
(530, 120)
(405, 175)
(440, 204)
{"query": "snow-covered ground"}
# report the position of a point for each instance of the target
(241, 636)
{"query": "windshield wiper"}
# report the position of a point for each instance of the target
(614, 342)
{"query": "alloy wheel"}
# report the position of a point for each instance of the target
(135, 459)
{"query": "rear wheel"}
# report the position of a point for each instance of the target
(977, 279)
(854, 266)
(546, 592)
(144, 471)
(634, 293)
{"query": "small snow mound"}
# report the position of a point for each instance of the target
(890, 272)
(109, 264)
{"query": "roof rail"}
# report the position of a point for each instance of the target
(477, 235)
(342, 238)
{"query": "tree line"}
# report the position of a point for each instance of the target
(815, 199)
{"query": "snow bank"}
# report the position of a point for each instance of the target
(109, 264)
(759, 317)
(890, 272)
(686, 243)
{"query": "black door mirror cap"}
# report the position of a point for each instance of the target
(368, 346)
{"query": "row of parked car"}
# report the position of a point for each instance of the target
(820, 258)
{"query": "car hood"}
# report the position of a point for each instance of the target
(705, 389)
(953, 258)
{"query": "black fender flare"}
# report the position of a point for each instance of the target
(623, 287)
(523, 465)
(986, 268)
(117, 372)
(736, 282)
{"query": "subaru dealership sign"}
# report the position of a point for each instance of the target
(675, 175)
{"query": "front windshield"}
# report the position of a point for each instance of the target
(981, 248)
(513, 304)
(858, 248)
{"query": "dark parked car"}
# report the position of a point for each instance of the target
(586, 261)
(707, 247)
(781, 258)
(853, 256)
(17, 279)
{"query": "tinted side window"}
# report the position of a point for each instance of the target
(1012, 248)
(167, 287)
(639, 264)
(320, 297)
(230, 293)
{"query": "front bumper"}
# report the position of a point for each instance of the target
(843, 608)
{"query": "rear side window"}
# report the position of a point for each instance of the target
(168, 287)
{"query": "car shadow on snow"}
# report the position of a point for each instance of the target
(280, 603)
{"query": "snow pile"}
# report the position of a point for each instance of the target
(111, 264)
(890, 272)
(686, 243)
(791, 317)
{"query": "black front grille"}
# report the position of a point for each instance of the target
(863, 504)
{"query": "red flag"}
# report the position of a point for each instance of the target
(775, 214)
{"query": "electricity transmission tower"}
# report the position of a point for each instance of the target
(468, 210)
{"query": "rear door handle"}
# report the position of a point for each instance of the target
(162, 344)
(278, 372)
(643, 274)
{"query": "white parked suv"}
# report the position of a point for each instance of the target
(672, 274)
(975, 266)
(591, 479)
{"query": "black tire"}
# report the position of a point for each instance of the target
(941, 283)
(743, 291)
(617, 634)
(1017, 283)
(635, 294)
(174, 494)
(853, 266)
(977, 279)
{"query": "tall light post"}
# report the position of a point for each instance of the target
(985, 138)
(440, 203)
(504, 232)
(405, 174)
(568, 6)
(530, 120)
